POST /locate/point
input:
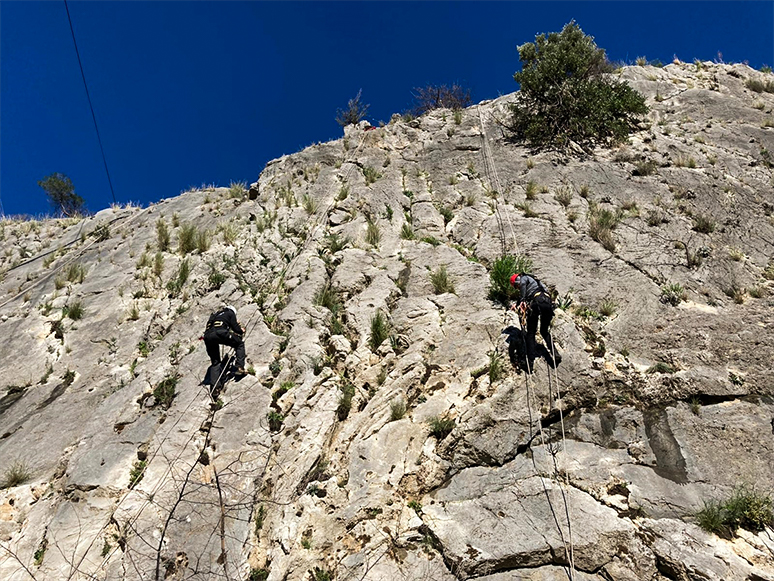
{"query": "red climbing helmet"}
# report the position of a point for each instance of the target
(514, 278)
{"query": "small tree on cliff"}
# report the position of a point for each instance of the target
(568, 96)
(61, 193)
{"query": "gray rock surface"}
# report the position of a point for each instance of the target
(332, 460)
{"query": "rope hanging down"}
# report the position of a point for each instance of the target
(88, 97)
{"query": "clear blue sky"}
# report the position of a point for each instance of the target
(191, 93)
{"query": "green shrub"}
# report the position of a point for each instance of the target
(447, 214)
(258, 575)
(431, 240)
(441, 281)
(162, 235)
(500, 288)
(137, 472)
(747, 508)
(16, 474)
(566, 95)
(380, 330)
(441, 426)
(61, 194)
(275, 420)
(644, 168)
(164, 392)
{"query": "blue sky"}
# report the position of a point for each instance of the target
(192, 93)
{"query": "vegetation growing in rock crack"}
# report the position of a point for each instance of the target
(500, 288)
(566, 95)
(441, 426)
(747, 508)
(601, 225)
(373, 234)
(397, 409)
(673, 294)
(345, 400)
(441, 281)
(164, 392)
(137, 472)
(380, 330)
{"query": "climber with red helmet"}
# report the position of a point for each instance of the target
(223, 329)
(535, 302)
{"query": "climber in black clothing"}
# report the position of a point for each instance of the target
(535, 301)
(223, 329)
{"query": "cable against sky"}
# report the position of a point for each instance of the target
(94, 117)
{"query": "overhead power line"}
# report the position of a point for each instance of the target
(94, 117)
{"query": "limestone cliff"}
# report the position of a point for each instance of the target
(423, 453)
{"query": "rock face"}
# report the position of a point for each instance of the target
(416, 449)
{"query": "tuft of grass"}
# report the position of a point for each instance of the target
(736, 293)
(380, 330)
(602, 222)
(162, 235)
(644, 168)
(397, 409)
(16, 474)
(673, 294)
(758, 291)
(531, 190)
(441, 426)
(431, 240)
(343, 193)
(202, 241)
(373, 234)
(175, 285)
(660, 367)
(608, 307)
(75, 273)
(74, 310)
(370, 175)
(685, 161)
(747, 508)
(327, 297)
(496, 368)
(758, 86)
(407, 232)
(310, 204)
(237, 190)
(447, 214)
(186, 239)
(736, 254)
(441, 281)
(527, 209)
(158, 264)
(500, 288)
(703, 224)
(563, 195)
